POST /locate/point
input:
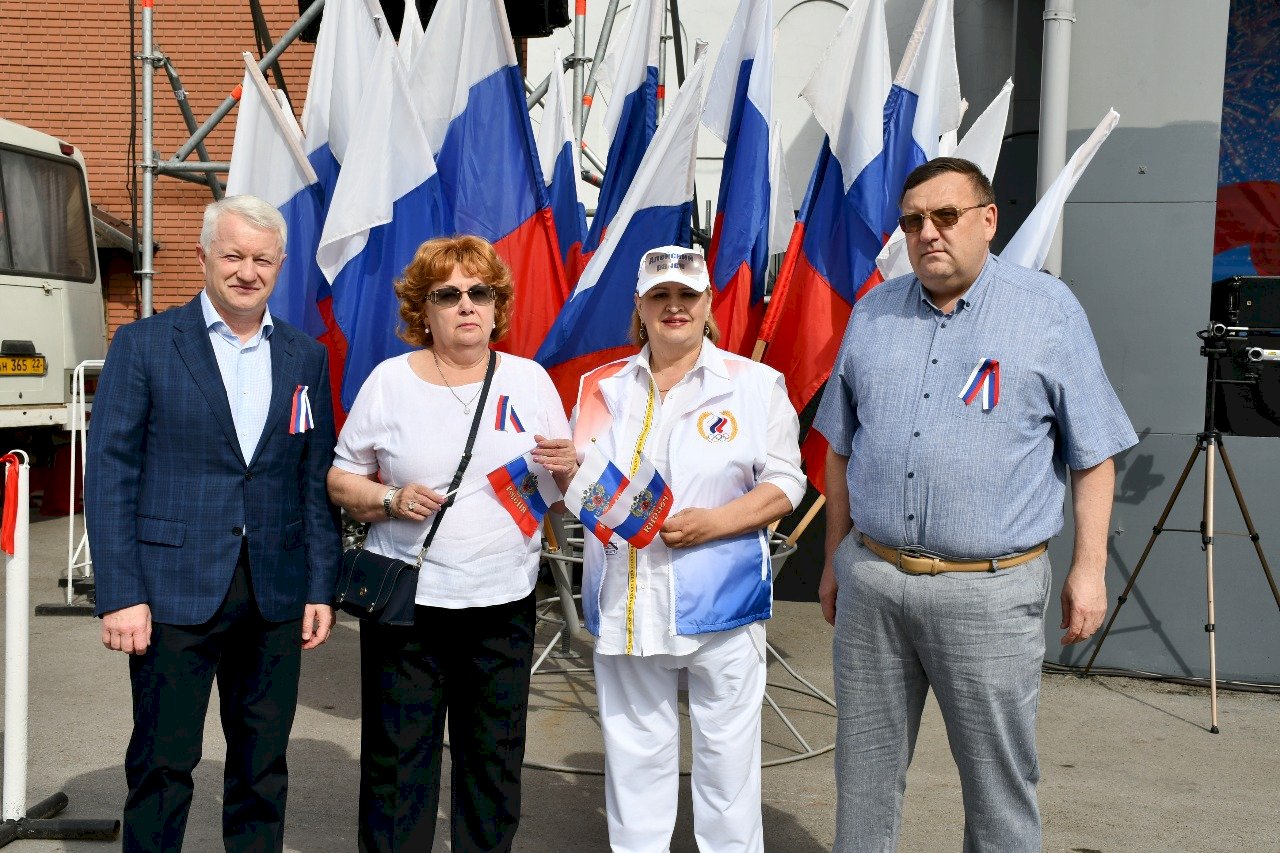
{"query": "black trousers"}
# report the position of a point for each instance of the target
(256, 663)
(473, 664)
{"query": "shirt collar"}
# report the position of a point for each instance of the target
(214, 323)
(972, 295)
(710, 358)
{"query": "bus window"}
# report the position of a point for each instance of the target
(44, 218)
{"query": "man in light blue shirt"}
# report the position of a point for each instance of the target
(962, 398)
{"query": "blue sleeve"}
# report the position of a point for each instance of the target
(837, 417)
(113, 473)
(320, 517)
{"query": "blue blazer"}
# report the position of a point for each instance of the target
(167, 488)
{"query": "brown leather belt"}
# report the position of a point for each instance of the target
(918, 563)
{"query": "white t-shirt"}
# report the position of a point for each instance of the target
(411, 431)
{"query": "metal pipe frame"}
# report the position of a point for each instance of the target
(1055, 79)
(589, 92)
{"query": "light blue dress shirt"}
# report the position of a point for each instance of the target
(927, 470)
(246, 374)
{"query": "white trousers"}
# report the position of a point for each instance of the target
(639, 715)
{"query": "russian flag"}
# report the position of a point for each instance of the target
(592, 328)
(593, 492)
(641, 507)
(632, 118)
(411, 34)
(834, 243)
(1029, 247)
(526, 490)
(268, 161)
(345, 46)
(467, 86)
(385, 204)
(558, 154)
(923, 104)
(739, 111)
(980, 146)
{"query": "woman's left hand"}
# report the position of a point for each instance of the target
(557, 455)
(691, 526)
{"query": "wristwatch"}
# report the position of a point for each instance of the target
(387, 499)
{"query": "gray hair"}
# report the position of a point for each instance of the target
(250, 208)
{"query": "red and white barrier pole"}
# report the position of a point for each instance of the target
(17, 572)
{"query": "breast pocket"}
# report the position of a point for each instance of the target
(1008, 394)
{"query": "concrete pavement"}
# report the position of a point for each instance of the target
(1128, 765)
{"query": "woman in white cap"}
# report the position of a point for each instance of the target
(722, 433)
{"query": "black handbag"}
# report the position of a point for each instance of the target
(383, 589)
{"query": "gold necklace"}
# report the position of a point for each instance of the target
(466, 404)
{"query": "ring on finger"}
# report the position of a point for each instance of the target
(413, 505)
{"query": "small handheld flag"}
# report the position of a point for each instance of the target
(526, 490)
(984, 381)
(642, 506)
(593, 492)
(300, 418)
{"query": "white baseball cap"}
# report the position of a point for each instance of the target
(676, 264)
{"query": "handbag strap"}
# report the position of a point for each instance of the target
(466, 455)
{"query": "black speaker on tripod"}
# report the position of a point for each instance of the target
(528, 18)
(1242, 345)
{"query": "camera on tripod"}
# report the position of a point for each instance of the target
(1242, 344)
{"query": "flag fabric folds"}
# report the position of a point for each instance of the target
(591, 330)
(268, 161)
(632, 118)
(385, 204)
(923, 104)
(593, 491)
(739, 111)
(641, 507)
(558, 154)
(609, 503)
(1029, 247)
(468, 89)
(837, 237)
(526, 490)
(345, 47)
(980, 146)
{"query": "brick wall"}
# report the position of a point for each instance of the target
(64, 70)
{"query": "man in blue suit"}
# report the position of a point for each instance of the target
(215, 547)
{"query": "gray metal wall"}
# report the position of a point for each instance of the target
(1138, 244)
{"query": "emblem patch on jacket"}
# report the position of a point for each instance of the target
(718, 426)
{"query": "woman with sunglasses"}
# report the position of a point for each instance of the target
(722, 432)
(470, 648)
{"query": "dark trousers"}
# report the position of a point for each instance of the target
(473, 664)
(256, 663)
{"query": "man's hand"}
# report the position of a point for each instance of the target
(827, 589)
(317, 622)
(691, 526)
(1084, 604)
(128, 630)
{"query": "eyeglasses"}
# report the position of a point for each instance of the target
(690, 263)
(943, 217)
(447, 297)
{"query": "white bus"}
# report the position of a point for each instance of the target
(51, 304)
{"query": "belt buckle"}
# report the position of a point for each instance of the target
(913, 553)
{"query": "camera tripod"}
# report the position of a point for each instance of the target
(1210, 442)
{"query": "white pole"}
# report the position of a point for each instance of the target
(1055, 79)
(17, 569)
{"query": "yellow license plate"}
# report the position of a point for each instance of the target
(23, 365)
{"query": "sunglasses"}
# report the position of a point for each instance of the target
(943, 217)
(691, 263)
(447, 297)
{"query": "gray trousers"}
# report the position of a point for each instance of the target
(976, 638)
